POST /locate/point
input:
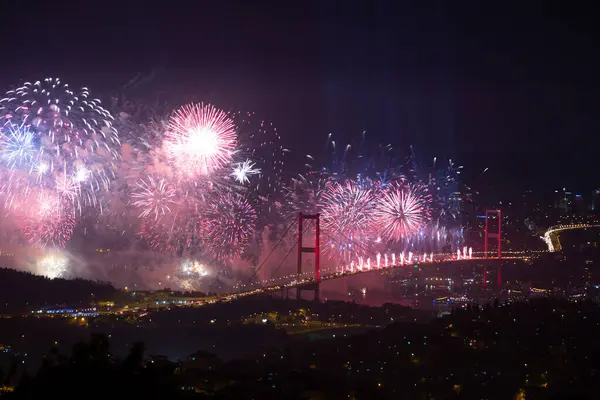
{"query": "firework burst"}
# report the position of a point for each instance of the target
(17, 145)
(402, 211)
(49, 131)
(347, 211)
(200, 139)
(74, 123)
(193, 268)
(52, 266)
(347, 207)
(154, 197)
(244, 170)
(47, 222)
(229, 225)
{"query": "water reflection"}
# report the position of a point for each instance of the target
(424, 287)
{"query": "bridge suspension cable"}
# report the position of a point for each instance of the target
(270, 253)
(362, 246)
(284, 258)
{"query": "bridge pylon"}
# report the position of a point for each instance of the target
(315, 250)
(495, 234)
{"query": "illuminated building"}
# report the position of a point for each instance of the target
(568, 201)
(561, 199)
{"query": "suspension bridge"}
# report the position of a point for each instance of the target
(308, 276)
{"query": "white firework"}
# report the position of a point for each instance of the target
(242, 171)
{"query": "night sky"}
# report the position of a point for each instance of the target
(508, 86)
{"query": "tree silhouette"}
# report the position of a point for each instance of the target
(92, 372)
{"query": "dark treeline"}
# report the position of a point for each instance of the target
(21, 291)
(92, 372)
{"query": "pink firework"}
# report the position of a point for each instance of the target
(200, 139)
(177, 233)
(48, 222)
(347, 211)
(154, 198)
(228, 225)
(402, 211)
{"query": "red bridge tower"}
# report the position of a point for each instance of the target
(495, 234)
(315, 250)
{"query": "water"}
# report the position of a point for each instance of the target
(427, 288)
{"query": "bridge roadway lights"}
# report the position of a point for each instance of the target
(311, 284)
(559, 228)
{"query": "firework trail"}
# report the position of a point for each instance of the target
(260, 143)
(444, 183)
(302, 195)
(357, 158)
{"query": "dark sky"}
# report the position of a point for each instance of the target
(512, 86)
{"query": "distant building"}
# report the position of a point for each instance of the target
(595, 200)
(564, 200)
(579, 204)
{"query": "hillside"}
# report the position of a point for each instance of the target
(21, 291)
